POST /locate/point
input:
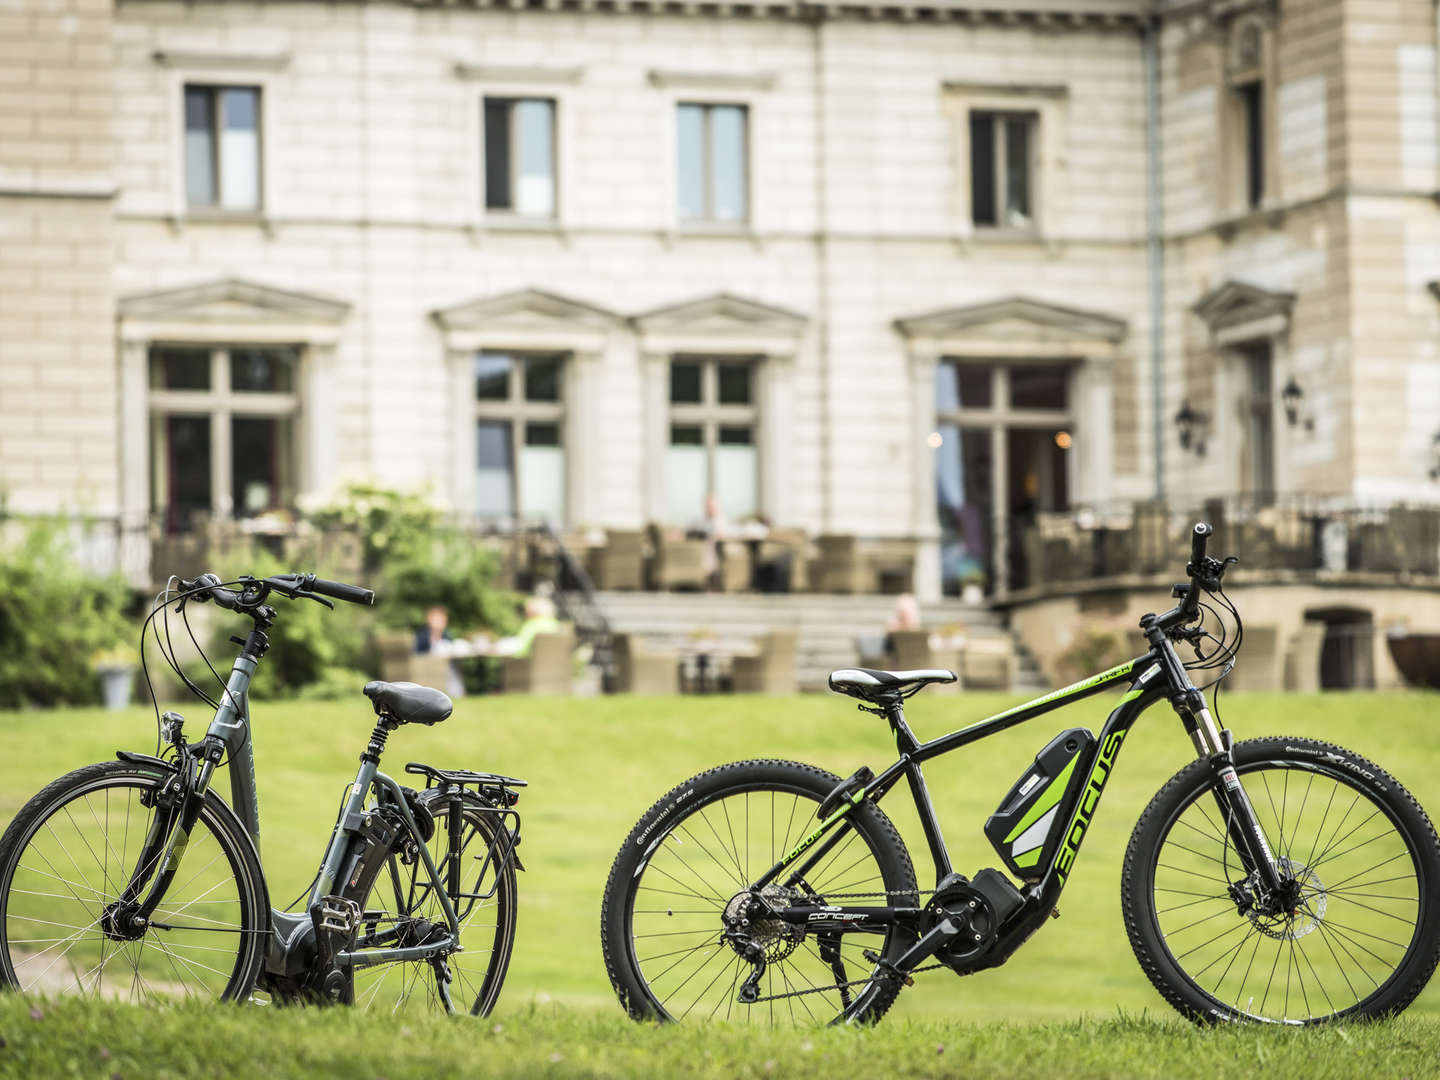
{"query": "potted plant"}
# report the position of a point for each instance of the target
(115, 665)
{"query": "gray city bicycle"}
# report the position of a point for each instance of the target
(134, 879)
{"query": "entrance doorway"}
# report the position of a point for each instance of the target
(1002, 444)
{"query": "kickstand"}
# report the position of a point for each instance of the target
(830, 953)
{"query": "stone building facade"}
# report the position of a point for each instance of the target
(913, 270)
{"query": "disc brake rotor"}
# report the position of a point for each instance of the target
(1309, 908)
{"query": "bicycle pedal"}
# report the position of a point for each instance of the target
(337, 914)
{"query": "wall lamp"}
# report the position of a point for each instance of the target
(1192, 426)
(1290, 397)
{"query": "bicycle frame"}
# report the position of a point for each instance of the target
(231, 728)
(1156, 675)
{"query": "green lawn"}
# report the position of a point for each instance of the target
(595, 765)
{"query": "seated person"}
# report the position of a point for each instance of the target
(539, 619)
(435, 634)
(906, 617)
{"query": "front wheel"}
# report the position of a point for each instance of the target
(65, 864)
(693, 858)
(1354, 933)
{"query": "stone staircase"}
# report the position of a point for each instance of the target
(827, 624)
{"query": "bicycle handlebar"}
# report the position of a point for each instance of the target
(208, 586)
(1199, 540)
(341, 591)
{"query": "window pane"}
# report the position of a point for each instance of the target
(542, 378)
(685, 480)
(494, 470)
(975, 384)
(199, 146)
(690, 161)
(492, 376)
(180, 465)
(180, 369)
(263, 465)
(963, 503)
(1252, 102)
(1037, 388)
(542, 474)
(961, 386)
(685, 382)
(535, 172)
(982, 168)
(735, 384)
(240, 149)
(727, 163)
(736, 474)
(1017, 172)
(262, 370)
(497, 154)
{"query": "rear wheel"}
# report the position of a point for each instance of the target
(404, 909)
(1355, 934)
(65, 862)
(694, 855)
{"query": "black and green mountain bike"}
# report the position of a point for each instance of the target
(1278, 879)
(133, 879)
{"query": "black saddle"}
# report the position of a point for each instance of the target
(409, 702)
(871, 684)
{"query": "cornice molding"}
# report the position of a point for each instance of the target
(711, 80)
(220, 61)
(514, 73)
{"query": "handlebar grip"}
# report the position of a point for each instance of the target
(339, 590)
(1199, 540)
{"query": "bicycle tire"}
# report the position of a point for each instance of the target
(69, 839)
(478, 973)
(680, 817)
(1363, 936)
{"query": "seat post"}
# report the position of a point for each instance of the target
(905, 740)
(384, 725)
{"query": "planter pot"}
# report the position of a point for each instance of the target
(115, 685)
(972, 594)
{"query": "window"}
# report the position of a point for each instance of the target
(520, 156)
(1258, 410)
(1245, 136)
(712, 170)
(712, 445)
(222, 147)
(1252, 130)
(1002, 439)
(520, 463)
(1001, 154)
(222, 430)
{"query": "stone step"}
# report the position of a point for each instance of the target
(828, 625)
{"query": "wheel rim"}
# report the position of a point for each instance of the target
(411, 986)
(76, 861)
(1340, 936)
(696, 868)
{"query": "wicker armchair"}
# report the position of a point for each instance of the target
(771, 670)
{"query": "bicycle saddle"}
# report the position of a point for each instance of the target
(871, 684)
(409, 702)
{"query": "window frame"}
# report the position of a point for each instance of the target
(221, 405)
(1249, 158)
(710, 415)
(1049, 104)
(708, 220)
(511, 100)
(1000, 120)
(518, 411)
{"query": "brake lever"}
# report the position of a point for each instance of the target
(301, 594)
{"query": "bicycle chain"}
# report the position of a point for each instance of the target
(869, 978)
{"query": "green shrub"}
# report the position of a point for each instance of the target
(415, 560)
(1093, 650)
(55, 617)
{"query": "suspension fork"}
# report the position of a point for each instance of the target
(1236, 809)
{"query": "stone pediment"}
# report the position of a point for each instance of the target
(1015, 320)
(526, 310)
(1234, 303)
(721, 316)
(232, 302)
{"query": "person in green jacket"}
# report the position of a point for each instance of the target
(539, 619)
